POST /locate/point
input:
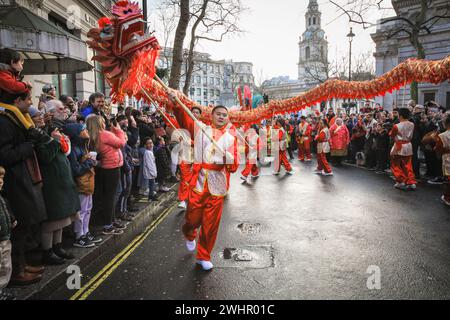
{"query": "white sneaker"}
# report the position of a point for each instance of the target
(328, 174)
(182, 205)
(243, 178)
(412, 187)
(308, 160)
(206, 265)
(191, 245)
(447, 203)
(275, 173)
(255, 177)
(319, 172)
(164, 189)
(292, 172)
(400, 186)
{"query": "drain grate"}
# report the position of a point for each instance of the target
(249, 257)
(249, 228)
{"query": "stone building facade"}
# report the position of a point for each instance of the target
(76, 17)
(392, 51)
(213, 81)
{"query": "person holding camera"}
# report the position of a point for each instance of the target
(108, 145)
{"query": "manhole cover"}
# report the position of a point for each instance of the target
(249, 228)
(253, 257)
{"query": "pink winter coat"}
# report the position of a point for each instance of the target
(109, 146)
(340, 137)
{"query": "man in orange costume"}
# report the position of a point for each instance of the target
(278, 137)
(323, 147)
(251, 154)
(209, 181)
(401, 154)
(304, 140)
(443, 148)
(185, 163)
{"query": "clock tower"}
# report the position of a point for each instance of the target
(313, 47)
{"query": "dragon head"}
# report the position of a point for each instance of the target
(120, 39)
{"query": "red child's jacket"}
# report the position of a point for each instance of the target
(9, 82)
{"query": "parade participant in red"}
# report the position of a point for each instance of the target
(185, 162)
(279, 136)
(304, 140)
(323, 147)
(251, 154)
(402, 152)
(331, 117)
(443, 147)
(209, 180)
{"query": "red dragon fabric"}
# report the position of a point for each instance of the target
(128, 58)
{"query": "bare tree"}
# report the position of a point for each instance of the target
(413, 26)
(180, 35)
(261, 81)
(212, 21)
(167, 16)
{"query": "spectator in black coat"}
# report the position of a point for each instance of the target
(162, 157)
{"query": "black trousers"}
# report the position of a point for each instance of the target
(104, 206)
(434, 164)
(18, 239)
(415, 161)
(382, 159)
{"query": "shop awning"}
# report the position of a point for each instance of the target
(47, 48)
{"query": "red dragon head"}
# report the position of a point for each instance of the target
(120, 39)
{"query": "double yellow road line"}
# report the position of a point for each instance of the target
(103, 274)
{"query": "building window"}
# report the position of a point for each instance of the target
(192, 92)
(199, 102)
(60, 22)
(211, 81)
(314, 21)
(217, 81)
(205, 94)
(307, 53)
(309, 21)
(429, 96)
(99, 78)
(199, 91)
(218, 93)
(65, 84)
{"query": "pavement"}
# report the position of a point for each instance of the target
(350, 236)
(57, 276)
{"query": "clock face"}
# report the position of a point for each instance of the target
(307, 35)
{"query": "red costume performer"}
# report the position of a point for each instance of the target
(443, 147)
(278, 134)
(209, 183)
(251, 154)
(323, 147)
(304, 140)
(185, 160)
(401, 155)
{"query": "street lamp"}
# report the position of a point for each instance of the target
(350, 36)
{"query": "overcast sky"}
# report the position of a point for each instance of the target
(273, 28)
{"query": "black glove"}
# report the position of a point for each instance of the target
(38, 136)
